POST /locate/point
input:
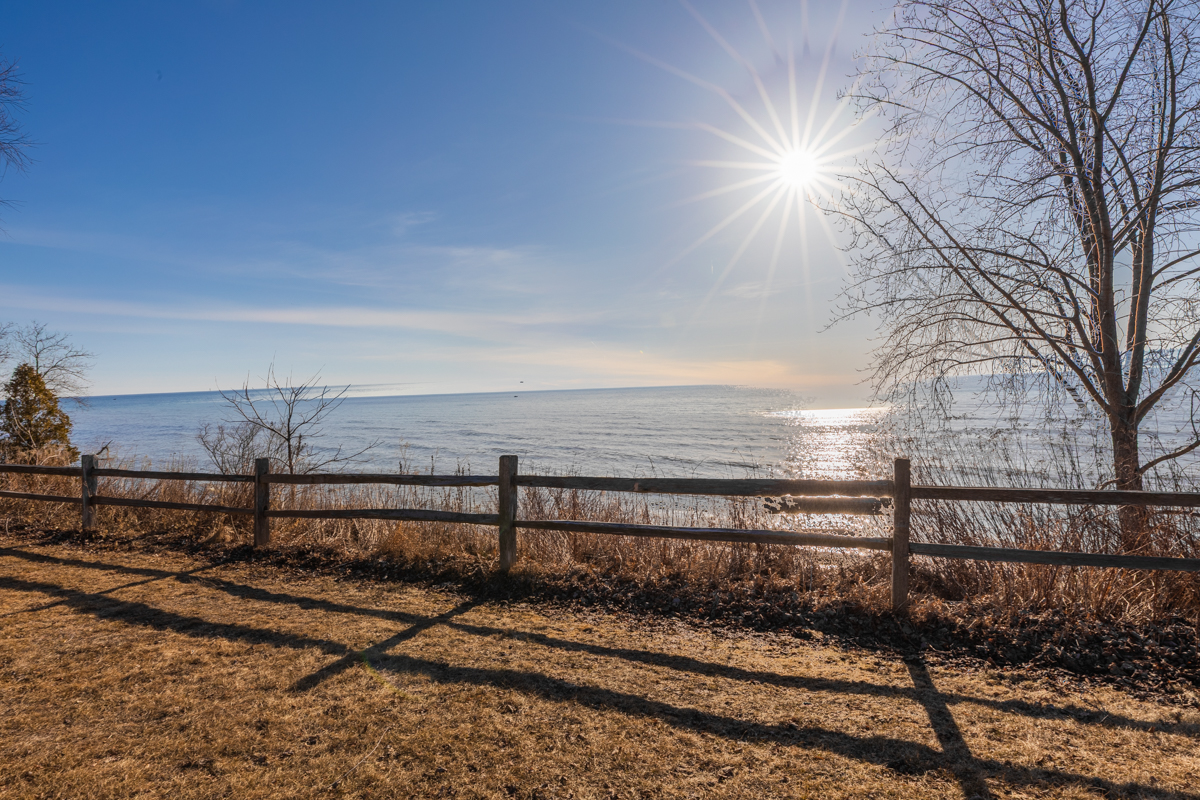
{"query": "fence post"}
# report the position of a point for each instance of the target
(901, 519)
(87, 465)
(508, 512)
(262, 502)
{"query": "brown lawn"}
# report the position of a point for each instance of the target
(130, 674)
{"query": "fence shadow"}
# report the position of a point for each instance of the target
(904, 756)
(681, 663)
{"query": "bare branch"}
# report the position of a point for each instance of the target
(1033, 207)
(281, 422)
(62, 365)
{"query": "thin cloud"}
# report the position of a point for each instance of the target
(450, 322)
(641, 368)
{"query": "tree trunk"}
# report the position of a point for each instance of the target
(1134, 520)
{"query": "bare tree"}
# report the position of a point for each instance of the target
(12, 97)
(1032, 211)
(232, 447)
(5, 345)
(62, 365)
(281, 422)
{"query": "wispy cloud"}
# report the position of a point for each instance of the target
(636, 367)
(450, 322)
(467, 350)
(383, 257)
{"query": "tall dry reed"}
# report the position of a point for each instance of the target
(809, 576)
(1059, 458)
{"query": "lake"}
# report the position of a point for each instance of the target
(678, 431)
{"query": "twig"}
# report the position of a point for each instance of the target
(343, 776)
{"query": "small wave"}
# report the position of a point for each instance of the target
(830, 416)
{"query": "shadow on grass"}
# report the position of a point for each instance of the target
(900, 755)
(1087, 716)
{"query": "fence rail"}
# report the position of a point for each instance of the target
(1053, 557)
(49, 498)
(137, 502)
(397, 480)
(1083, 497)
(32, 469)
(709, 534)
(803, 497)
(713, 486)
(198, 477)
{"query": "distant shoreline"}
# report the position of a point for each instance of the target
(356, 394)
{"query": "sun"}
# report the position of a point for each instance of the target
(799, 169)
(786, 155)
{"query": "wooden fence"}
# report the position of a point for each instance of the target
(802, 496)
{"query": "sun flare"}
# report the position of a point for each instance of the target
(785, 158)
(799, 169)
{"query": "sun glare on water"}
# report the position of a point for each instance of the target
(833, 444)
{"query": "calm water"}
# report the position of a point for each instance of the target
(695, 431)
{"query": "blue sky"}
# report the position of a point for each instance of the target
(424, 197)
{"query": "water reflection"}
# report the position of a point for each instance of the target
(834, 444)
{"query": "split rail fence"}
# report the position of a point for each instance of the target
(802, 496)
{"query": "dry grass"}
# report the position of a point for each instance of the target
(621, 559)
(1119, 595)
(160, 675)
(958, 590)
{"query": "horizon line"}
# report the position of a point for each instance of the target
(92, 397)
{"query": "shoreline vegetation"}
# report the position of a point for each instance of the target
(1135, 630)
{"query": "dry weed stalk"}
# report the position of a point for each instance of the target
(698, 569)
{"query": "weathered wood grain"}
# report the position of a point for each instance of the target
(33, 469)
(398, 480)
(49, 498)
(709, 534)
(751, 487)
(1056, 496)
(139, 503)
(262, 502)
(412, 514)
(827, 505)
(507, 506)
(88, 489)
(901, 519)
(1012, 555)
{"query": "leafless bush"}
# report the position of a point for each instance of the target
(233, 447)
(281, 422)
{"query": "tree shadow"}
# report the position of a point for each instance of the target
(312, 680)
(184, 575)
(681, 663)
(897, 754)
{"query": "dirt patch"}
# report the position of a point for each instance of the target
(127, 672)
